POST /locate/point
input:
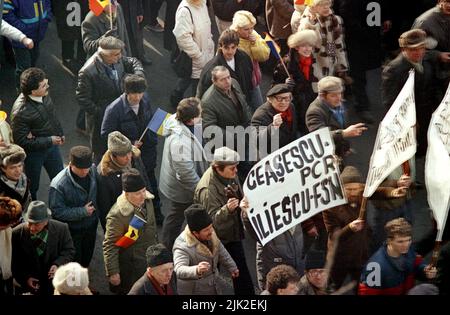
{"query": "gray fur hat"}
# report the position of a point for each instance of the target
(118, 144)
(12, 154)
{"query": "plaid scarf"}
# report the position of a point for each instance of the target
(39, 241)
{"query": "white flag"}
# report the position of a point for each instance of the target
(396, 138)
(437, 163)
(292, 184)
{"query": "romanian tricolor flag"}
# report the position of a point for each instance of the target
(304, 2)
(156, 124)
(274, 48)
(97, 6)
(132, 235)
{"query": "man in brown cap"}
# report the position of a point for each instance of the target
(348, 234)
(428, 90)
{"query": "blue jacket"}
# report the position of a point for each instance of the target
(393, 280)
(29, 16)
(119, 116)
(67, 200)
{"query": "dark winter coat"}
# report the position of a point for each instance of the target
(243, 73)
(319, 115)
(225, 9)
(67, 199)
(131, 9)
(94, 27)
(110, 182)
(437, 25)
(443, 270)
(26, 263)
(278, 15)
(303, 91)
(39, 119)
(96, 90)
(263, 119)
(31, 17)
(120, 117)
(64, 12)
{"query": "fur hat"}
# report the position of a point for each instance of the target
(158, 255)
(118, 144)
(81, 157)
(71, 279)
(241, 19)
(132, 181)
(197, 218)
(330, 84)
(413, 38)
(305, 37)
(313, 3)
(315, 259)
(350, 174)
(225, 156)
(11, 154)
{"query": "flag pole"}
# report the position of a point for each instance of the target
(110, 16)
(284, 66)
(362, 210)
(142, 136)
(435, 255)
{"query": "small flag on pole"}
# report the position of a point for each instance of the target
(274, 48)
(132, 234)
(97, 6)
(157, 122)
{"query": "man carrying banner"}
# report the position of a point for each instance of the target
(351, 232)
(328, 111)
(427, 92)
(130, 230)
(219, 191)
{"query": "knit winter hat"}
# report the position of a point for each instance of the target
(197, 218)
(81, 157)
(71, 279)
(225, 156)
(158, 255)
(330, 84)
(11, 154)
(118, 144)
(132, 181)
(350, 174)
(315, 259)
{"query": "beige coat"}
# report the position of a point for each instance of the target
(194, 35)
(188, 252)
(129, 262)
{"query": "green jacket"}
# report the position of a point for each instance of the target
(129, 262)
(210, 192)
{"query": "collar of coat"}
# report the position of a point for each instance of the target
(201, 248)
(126, 208)
(107, 166)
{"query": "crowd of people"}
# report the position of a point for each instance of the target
(326, 47)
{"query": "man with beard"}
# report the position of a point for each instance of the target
(344, 226)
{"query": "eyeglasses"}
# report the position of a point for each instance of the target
(317, 272)
(283, 98)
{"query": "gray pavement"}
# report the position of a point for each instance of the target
(161, 81)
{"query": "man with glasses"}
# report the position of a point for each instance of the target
(315, 281)
(276, 119)
(36, 128)
(328, 110)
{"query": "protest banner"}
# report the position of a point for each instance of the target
(293, 184)
(437, 164)
(396, 138)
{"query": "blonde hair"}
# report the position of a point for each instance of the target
(319, 2)
(242, 19)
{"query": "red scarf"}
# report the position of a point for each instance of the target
(287, 116)
(167, 288)
(305, 65)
